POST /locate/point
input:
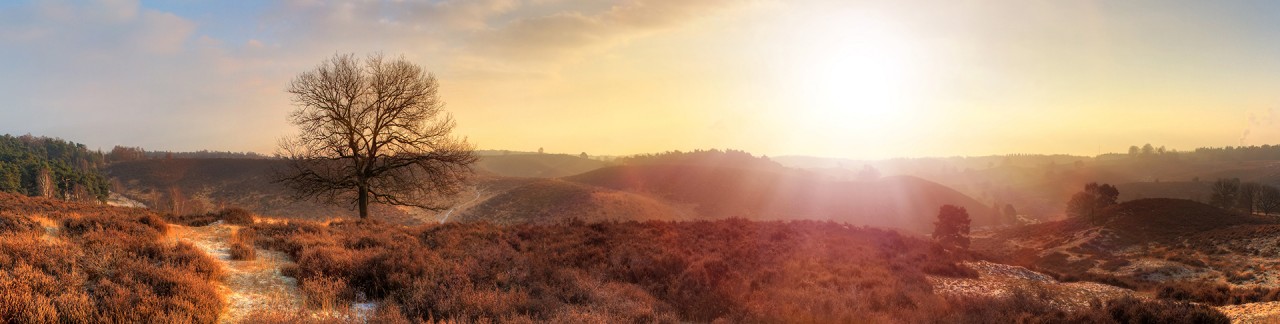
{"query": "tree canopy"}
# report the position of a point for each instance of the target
(952, 227)
(373, 130)
(1088, 204)
(51, 167)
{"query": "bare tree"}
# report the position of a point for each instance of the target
(1226, 192)
(1248, 196)
(373, 130)
(1268, 200)
(1088, 204)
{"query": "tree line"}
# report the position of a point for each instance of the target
(712, 157)
(127, 153)
(51, 167)
(1225, 153)
(1249, 197)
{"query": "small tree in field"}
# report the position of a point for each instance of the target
(1226, 193)
(1010, 213)
(1088, 204)
(372, 130)
(1248, 196)
(1268, 200)
(952, 227)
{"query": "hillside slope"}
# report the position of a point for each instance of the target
(186, 186)
(1160, 245)
(536, 165)
(719, 192)
(550, 201)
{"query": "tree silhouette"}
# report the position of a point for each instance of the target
(1248, 197)
(1088, 204)
(1226, 192)
(1011, 213)
(372, 130)
(952, 227)
(1268, 199)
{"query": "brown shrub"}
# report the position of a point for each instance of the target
(324, 293)
(242, 244)
(242, 252)
(731, 270)
(1216, 293)
(236, 216)
(108, 265)
(1023, 308)
(233, 216)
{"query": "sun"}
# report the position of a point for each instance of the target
(850, 76)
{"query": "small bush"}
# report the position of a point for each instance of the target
(107, 265)
(324, 293)
(242, 244)
(242, 252)
(236, 216)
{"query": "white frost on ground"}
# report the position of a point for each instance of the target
(118, 200)
(250, 285)
(1000, 280)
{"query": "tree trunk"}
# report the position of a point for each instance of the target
(363, 202)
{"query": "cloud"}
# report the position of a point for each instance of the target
(484, 36)
(566, 35)
(89, 71)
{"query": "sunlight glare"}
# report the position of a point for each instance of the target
(850, 77)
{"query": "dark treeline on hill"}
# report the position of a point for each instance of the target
(713, 157)
(51, 167)
(124, 153)
(1264, 152)
(1225, 153)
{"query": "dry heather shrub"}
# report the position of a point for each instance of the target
(155, 223)
(324, 293)
(13, 223)
(109, 265)
(242, 252)
(242, 244)
(236, 216)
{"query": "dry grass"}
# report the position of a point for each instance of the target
(731, 270)
(105, 265)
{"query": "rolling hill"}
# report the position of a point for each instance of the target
(550, 200)
(536, 165)
(720, 192)
(186, 186)
(1158, 245)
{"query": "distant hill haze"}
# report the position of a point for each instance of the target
(632, 192)
(536, 165)
(718, 192)
(185, 186)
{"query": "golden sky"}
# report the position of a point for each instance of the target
(862, 79)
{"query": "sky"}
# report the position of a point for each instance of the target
(853, 79)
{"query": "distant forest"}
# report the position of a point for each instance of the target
(713, 157)
(124, 153)
(1225, 153)
(51, 167)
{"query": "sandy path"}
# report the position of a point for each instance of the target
(250, 285)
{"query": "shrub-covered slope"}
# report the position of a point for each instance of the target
(80, 263)
(719, 192)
